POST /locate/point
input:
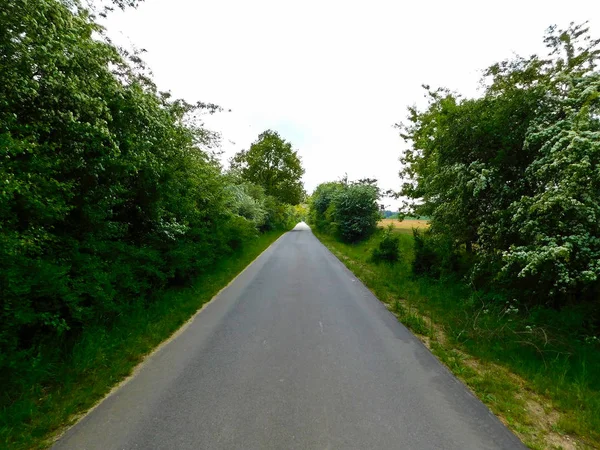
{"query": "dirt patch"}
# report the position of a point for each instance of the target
(440, 336)
(425, 340)
(540, 412)
(547, 421)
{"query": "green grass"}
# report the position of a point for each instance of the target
(101, 358)
(533, 370)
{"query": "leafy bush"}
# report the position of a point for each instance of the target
(388, 248)
(433, 255)
(356, 212)
(272, 164)
(238, 230)
(557, 255)
(278, 215)
(513, 175)
(108, 190)
(301, 213)
(348, 211)
(248, 201)
(321, 206)
(265, 212)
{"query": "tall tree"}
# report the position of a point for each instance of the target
(273, 164)
(513, 175)
(105, 193)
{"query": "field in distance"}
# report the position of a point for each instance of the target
(405, 226)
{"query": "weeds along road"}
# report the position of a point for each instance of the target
(294, 354)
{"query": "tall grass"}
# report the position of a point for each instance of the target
(67, 381)
(545, 348)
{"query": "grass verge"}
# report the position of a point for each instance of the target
(104, 357)
(543, 383)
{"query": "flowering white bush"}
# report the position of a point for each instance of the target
(513, 177)
(559, 221)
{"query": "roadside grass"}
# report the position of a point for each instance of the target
(531, 370)
(102, 358)
(406, 226)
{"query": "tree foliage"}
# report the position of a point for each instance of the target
(558, 221)
(108, 189)
(356, 212)
(322, 206)
(273, 164)
(513, 175)
(264, 211)
(348, 210)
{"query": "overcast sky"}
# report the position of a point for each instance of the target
(332, 76)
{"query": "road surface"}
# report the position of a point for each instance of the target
(295, 354)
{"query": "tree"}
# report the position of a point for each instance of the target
(513, 175)
(356, 212)
(558, 254)
(107, 192)
(273, 164)
(321, 205)
(465, 152)
(348, 210)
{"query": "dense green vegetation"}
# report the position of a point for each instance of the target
(389, 247)
(102, 356)
(117, 222)
(272, 163)
(110, 194)
(348, 210)
(513, 178)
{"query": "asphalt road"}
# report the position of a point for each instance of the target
(294, 354)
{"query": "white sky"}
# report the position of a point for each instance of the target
(332, 76)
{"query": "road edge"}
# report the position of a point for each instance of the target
(418, 341)
(78, 417)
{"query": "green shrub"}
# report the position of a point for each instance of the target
(388, 248)
(248, 201)
(513, 174)
(321, 206)
(434, 255)
(279, 215)
(239, 230)
(356, 212)
(348, 211)
(107, 194)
